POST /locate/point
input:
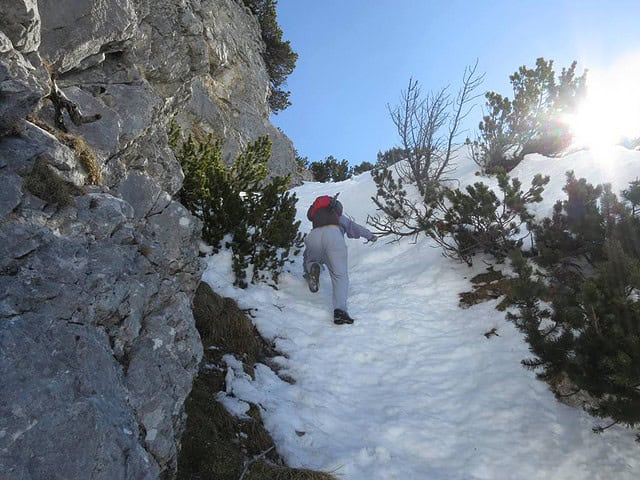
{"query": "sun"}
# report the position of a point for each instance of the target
(610, 112)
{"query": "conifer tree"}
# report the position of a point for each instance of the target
(391, 156)
(632, 196)
(363, 167)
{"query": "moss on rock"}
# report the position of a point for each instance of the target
(44, 183)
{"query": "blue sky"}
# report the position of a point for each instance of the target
(356, 56)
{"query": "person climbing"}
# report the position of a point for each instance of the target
(325, 245)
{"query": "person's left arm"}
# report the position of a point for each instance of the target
(354, 230)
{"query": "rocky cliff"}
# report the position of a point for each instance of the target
(98, 262)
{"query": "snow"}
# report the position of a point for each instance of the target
(413, 389)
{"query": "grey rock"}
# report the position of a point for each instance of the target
(17, 241)
(19, 152)
(283, 155)
(114, 65)
(143, 194)
(165, 356)
(98, 341)
(139, 107)
(55, 366)
(223, 101)
(170, 45)
(21, 88)
(74, 30)
(83, 273)
(104, 134)
(127, 112)
(20, 21)
(173, 228)
(5, 43)
(239, 125)
(10, 193)
(104, 214)
(150, 154)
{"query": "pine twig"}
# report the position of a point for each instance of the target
(490, 333)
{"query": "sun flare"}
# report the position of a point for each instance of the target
(610, 112)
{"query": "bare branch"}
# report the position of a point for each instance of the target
(253, 460)
(62, 103)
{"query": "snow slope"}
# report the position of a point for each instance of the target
(414, 390)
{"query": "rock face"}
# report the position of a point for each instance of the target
(224, 100)
(97, 339)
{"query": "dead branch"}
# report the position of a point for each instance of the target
(253, 460)
(61, 104)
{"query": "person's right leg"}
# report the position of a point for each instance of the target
(337, 263)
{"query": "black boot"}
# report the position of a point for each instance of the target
(340, 317)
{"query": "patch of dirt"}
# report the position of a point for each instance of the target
(487, 286)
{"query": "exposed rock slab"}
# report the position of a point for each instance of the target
(98, 342)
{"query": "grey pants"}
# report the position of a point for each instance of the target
(326, 245)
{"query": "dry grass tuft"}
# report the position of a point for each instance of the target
(84, 153)
(267, 471)
(199, 133)
(215, 444)
(222, 324)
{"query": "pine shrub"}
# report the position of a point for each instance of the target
(579, 303)
(473, 221)
(632, 196)
(330, 170)
(363, 167)
(576, 229)
(390, 157)
(238, 203)
(399, 215)
(531, 122)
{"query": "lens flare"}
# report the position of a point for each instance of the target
(610, 113)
